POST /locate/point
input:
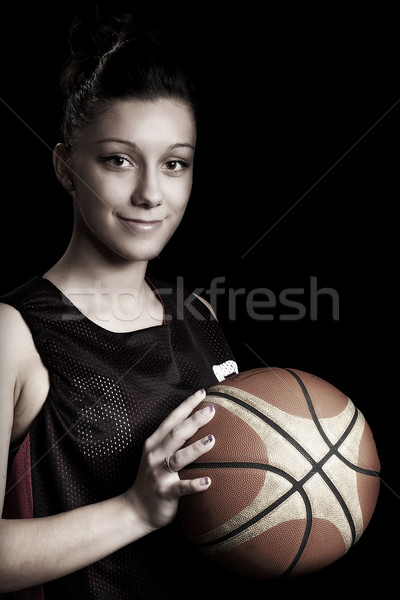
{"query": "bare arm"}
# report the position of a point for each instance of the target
(36, 550)
(33, 551)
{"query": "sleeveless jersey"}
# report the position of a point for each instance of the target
(108, 393)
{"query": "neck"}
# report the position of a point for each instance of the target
(109, 290)
(83, 265)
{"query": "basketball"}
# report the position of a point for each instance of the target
(295, 475)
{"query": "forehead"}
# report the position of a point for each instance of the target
(163, 121)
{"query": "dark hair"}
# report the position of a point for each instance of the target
(110, 60)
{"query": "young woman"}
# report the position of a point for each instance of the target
(103, 368)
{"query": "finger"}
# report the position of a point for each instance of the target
(178, 415)
(185, 456)
(185, 487)
(179, 434)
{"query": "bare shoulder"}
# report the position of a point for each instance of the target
(11, 325)
(15, 339)
(14, 333)
(210, 308)
(9, 359)
(24, 378)
(16, 346)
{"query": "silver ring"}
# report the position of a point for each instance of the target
(167, 466)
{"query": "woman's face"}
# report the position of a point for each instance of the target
(132, 174)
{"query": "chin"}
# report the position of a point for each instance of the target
(143, 254)
(143, 249)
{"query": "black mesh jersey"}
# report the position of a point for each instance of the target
(108, 393)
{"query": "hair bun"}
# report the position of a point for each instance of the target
(93, 32)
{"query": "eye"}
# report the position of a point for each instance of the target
(175, 166)
(116, 160)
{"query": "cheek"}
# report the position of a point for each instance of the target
(94, 187)
(94, 195)
(93, 207)
(179, 197)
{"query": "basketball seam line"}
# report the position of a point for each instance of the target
(296, 487)
(333, 448)
(316, 465)
(323, 434)
(316, 468)
(311, 407)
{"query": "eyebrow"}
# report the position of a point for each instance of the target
(136, 147)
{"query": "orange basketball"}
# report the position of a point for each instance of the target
(295, 475)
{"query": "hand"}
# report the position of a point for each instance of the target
(156, 491)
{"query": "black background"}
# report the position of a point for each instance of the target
(296, 178)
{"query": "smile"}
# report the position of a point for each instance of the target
(141, 225)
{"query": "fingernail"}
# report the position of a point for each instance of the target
(205, 481)
(207, 440)
(199, 393)
(209, 408)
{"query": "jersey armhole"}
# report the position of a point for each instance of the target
(207, 304)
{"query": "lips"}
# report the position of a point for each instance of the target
(142, 225)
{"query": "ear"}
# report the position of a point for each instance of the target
(61, 167)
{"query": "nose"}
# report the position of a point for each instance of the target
(147, 191)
